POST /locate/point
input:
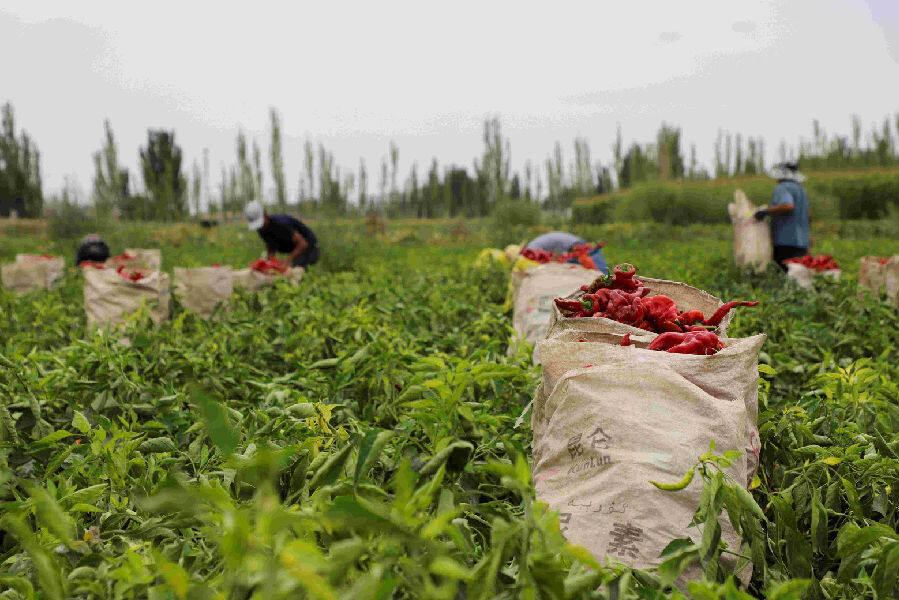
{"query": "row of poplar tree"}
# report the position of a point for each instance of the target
(323, 188)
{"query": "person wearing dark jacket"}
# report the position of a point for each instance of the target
(285, 235)
(92, 248)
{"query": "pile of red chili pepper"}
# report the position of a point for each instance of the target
(624, 298)
(135, 275)
(581, 252)
(266, 266)
(122, 257)
(91, 263)
(819, 262)
(884, 259)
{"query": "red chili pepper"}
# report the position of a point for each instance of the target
(667, 340)
(626, 340)
(265, 266)
(725, 308)
(821, 262)
(92, 264)
(691, 342)
(691, 317)
(569, 305)
(586, 261)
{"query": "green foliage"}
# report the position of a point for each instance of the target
(165, 184)
(353, 438)
(110, 181)
(20, 170)
(511, 220)
(844, 194)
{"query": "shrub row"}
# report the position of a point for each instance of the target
(845, 194)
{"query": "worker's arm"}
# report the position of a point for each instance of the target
(780, 209)
(781, 204)
(300, 245)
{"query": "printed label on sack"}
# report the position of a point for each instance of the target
(597, 441)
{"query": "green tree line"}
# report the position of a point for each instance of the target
(170, 192)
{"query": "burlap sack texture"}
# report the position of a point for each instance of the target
(140, 259)
(533, 306)
(151, 258)
(109, 298)
(891, 279)
(686, 298)
(879, 278)
(253, 280)
(202, 290)
(752, 239)
(31, 272)
(804, 277)
(608, 419)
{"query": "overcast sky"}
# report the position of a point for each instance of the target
(355, 75)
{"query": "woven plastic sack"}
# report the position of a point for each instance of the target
(752, 239)
(149, 258)
(891, 280)
(873, 275)
(804, 277)
(534, 300)
(202, 290)
(609, 419)
(109, 298)
(32, 272)
(686, 298)
(252, 280)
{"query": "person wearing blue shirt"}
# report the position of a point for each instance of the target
(790, 214)
(284, 234)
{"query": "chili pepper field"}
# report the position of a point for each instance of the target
(353, 437)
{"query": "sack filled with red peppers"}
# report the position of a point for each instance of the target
(819, 262)
(272, 264)
(623, 298)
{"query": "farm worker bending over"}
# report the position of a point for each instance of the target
(790, 214)
(560, 242)
(284, 234)
(92, 248)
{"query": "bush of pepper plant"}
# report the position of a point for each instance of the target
(353, 437)
(844, 194)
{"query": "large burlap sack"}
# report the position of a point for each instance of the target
(608, 419)
(204, 289)
(32, 272)
(534, 300)
(804, 277)
(109, 298)
(686, 298)
(521, 269)
(871, 275)
(150, 258)
(752, 239)
(252, 280)
(891, 280)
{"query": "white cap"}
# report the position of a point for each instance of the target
(255, 215)
(786, 170)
